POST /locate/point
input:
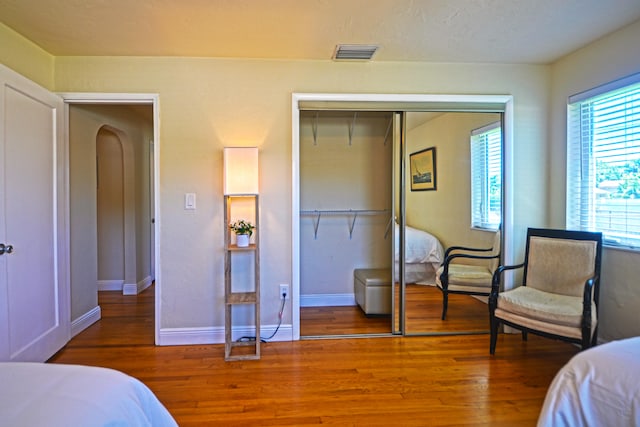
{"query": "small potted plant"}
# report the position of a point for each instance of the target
(244, 230)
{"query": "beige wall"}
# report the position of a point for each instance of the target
(206, 104)
(83, 213)
(446, 212)
(613, 57)
(26, 58)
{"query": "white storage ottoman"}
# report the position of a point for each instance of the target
(372, 288)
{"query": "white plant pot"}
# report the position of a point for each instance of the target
(242, 240)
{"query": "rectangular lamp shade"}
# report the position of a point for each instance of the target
(240, 170)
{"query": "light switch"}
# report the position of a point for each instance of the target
(190, 200)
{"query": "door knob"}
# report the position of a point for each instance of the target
(5, 249)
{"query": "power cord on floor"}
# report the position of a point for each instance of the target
(280, 313)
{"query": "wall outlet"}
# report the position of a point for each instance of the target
(284, 289)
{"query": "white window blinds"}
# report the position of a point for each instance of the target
(486, 177)
(603, 162)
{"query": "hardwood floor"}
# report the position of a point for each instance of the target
(341, 320)
(434, 381)
(424, 310)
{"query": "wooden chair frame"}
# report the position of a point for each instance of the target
(591, 290)
(449, 256)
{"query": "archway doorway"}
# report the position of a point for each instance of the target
(111, 145)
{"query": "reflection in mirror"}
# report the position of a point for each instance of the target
(438, 214)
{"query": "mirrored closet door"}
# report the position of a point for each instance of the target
(382, 195)
(435, 206)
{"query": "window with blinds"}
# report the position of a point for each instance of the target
(603, 162)
(486, 177)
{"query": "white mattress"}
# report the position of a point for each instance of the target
(423, 255)
(597, 387)
(43, 394)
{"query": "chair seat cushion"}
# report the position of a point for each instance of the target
(546, 307)
(467, 276)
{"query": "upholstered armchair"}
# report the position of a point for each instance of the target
(558, 297)
(454, 277)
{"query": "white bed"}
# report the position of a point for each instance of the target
(597, 387)
(44, 394)
(423, 255)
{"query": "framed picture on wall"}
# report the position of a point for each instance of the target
(422, 166)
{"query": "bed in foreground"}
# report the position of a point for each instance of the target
(597, 387)
(43, 394)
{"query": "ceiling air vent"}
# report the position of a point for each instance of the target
(354, 52)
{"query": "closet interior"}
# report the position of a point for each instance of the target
(345, 206)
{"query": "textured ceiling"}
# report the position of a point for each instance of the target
(506, 31)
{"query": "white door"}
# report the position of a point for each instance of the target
(34, 287)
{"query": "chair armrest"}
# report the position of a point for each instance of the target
(450, 258)
(586, 299)
(495, 282)
(465, 248)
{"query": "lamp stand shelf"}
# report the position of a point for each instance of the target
(232, 298)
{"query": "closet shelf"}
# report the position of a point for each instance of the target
(351, 213)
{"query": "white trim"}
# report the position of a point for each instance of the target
(110, 285)
(323, 300)
(135, 98)
(486, 128)
(130, 289)
(508, 252)
(604, 88)
(404, 98)
(215, 335)
(296, 98)
(157, 272)
(144, 283)
(83, 322)
(108, 98)
(295, 216)
(136, 288)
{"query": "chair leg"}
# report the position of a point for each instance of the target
(493, 328)
(586, 339)
(445, 303)
(594, 338)
(525, 335)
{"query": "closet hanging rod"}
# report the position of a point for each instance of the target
(352, 213)
(344, 211)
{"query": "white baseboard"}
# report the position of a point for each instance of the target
(323, 300)
(130, 289)
(215, 335)
(83, 322)
(136, 288)
(110, 285)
